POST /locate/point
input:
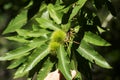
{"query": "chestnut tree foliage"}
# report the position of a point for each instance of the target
(57, 34)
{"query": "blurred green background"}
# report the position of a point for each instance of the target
(10, 8)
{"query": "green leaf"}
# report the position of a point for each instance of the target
(66, 27)
(63, 63)
(46, 68)
(77, 7)
(16, 63)
(36, 57)
(17, 23)
(28, 33)
(54, 14)
(17, 53)
(90, 54)
(73, 62)
(37, 42)
(66, 9)
(20, 71)
(18, 39)
(45, 15)
(45, 23)
(95, 39)
(78, 76)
